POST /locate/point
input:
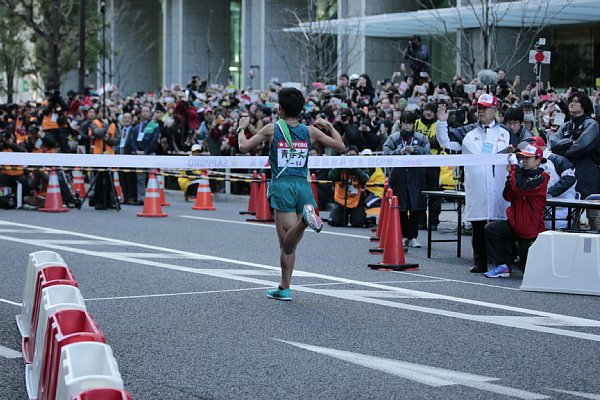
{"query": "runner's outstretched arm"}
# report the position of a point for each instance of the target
(334, 141)
(266, 133)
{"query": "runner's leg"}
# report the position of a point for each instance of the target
(290, 229)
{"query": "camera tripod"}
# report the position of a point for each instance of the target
(113, 191)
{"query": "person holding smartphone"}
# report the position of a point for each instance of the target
(407, 183)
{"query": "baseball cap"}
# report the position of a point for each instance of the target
(208, 110)
(196, 147)
(531, 150)
(354, 77)
(536, 140)
(366, 152)
(487, 100)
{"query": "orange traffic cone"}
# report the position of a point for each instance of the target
(263, 210)
(161, 187)
(203, 195)
(117, 184)
(78, 183)
(387, 198)
(377, 228)
(382, 214)
(152, 206)
(53, 197)
(254, 188)
(393, 254)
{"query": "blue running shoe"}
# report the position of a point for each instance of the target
(280, 294)
(311, 218)
(501, 271)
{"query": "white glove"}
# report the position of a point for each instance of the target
(512, 159)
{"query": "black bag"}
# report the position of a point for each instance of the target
(102, 191)
(8, 202)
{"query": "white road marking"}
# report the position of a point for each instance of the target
(5, 352)
(144, 296)
(430, 376)
(272, 226)
(591, 396)
(241, 275)
(11, 302)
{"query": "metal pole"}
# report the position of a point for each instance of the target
(81, 46)
(102, 10)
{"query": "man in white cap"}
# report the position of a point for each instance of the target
(483, 184)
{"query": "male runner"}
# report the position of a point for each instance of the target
(289, 193)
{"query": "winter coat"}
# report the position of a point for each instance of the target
(483, 184)
(526, 191)
(561, 185)
(407, 183)
(579, 141)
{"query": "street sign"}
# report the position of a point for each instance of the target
(539, 57)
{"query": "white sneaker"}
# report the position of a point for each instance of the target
(414, 243)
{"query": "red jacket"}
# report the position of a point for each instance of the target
(526, 192)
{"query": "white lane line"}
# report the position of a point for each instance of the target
(457, 281)
(11, 302)
(572, 321)
(5, 352)
(272, 226)
(144, 296)
(583, 395)
(424, 374)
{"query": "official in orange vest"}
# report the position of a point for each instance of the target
(11, 175)
(54, 122)
(103, 134)
(349, 195)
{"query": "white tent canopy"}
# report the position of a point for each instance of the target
(511, 14)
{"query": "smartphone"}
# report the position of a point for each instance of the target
(470, 88)
(559, 119)
(421, 89)
(423, 74)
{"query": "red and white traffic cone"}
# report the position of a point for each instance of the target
(263, 210)
(204, 195)
(254, 188)
(161, 187)
(78, 183)
(117, 183)
(152, 207)
(386, 218)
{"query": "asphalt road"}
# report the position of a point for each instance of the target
(181, 301)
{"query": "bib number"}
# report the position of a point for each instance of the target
(297, 158)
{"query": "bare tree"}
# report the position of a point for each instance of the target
(315, 47)
(476, 46)
(122, 13)
(55, 35)
(12, 52)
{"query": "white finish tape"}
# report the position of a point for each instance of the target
(242, 162)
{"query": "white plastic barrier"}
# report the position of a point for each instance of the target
(564, 262)
(85, 366)
(53, 299)
(37, 261)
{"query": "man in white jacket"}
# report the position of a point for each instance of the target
(483, 184)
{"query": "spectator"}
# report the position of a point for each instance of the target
(579, 141)
(128, 179)
(513, 119)
(525, 189)
(483, 184)
(418, 55)
(349, 194)
(407, 183)
(145, 142)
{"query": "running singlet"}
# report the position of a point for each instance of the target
(280, 154)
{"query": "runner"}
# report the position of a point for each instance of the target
(289, 193)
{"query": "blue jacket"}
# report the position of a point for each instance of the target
(149, 141)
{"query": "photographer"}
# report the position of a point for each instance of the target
(54, 122)
(418, 55)
(344, 124)
(407, 183)
(11, 175)
(349, 195)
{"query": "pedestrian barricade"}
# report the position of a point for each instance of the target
(84, 366)
(563, 262)
(53, 300)
(37, 261)
(49, 276)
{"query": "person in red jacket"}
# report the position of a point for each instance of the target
(525, 189)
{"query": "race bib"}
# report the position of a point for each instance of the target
(285, 157)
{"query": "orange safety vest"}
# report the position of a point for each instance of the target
(48, 123)
(98, 145)
(353, 192)
(11, 170)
